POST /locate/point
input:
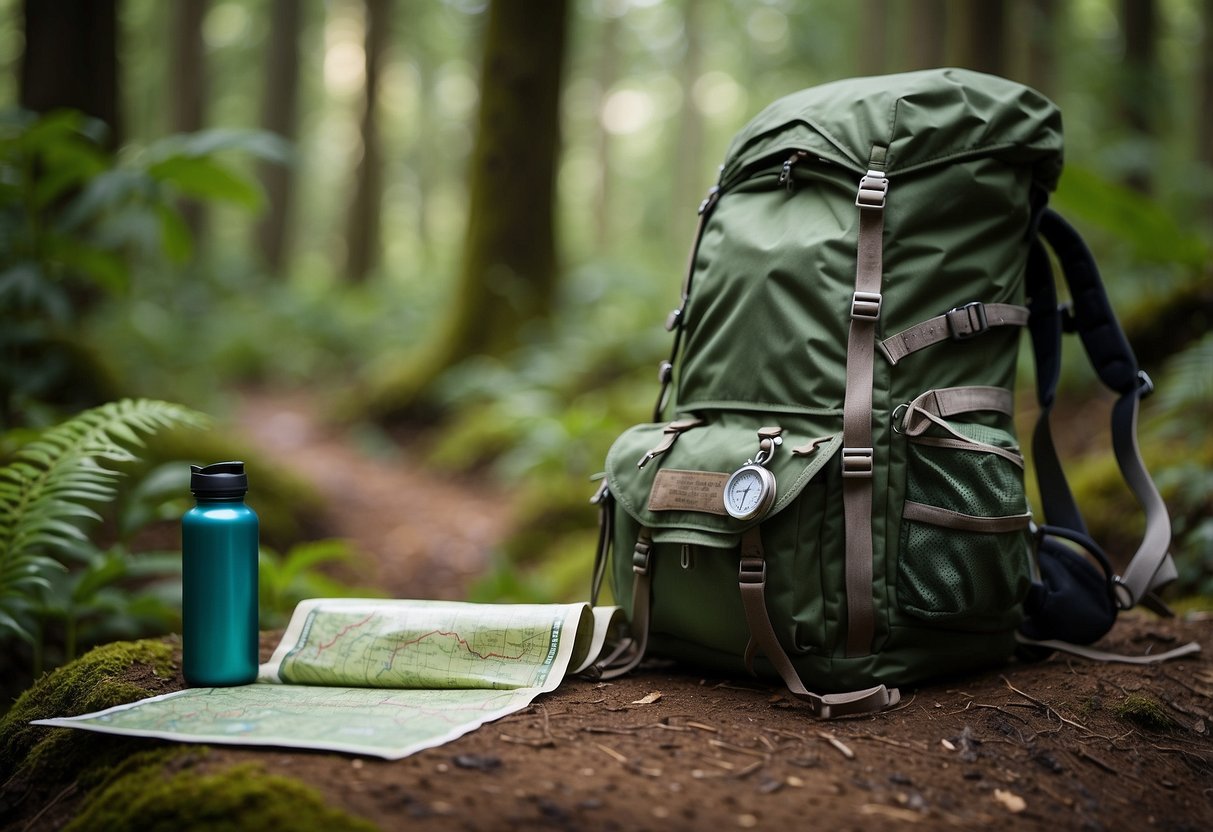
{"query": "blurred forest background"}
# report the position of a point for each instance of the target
(460, 223)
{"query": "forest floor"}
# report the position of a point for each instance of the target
(1060, 744)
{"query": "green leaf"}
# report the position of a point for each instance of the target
(207, 179)
(175, 234)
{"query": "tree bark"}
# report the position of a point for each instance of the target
(1045, 19)
(188, 87)
(928, 33)
(873, 46)
(71, 60)
(983, 47)
(1139, 87)
(362, 234)
(279, 114)
(508, 278)
(1204, 118)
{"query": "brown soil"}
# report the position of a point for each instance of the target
(1063, 744)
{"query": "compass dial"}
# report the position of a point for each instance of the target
(749, 492)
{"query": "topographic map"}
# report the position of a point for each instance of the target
(385, 678)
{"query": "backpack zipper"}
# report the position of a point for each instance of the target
(785, 173)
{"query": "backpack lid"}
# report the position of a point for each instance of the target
(923, 119)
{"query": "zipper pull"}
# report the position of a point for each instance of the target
(785, 175)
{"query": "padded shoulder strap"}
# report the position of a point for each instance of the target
(1092, 317)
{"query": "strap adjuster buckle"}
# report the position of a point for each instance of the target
(873, 188)
(968, 321)
(866, 306)
(752, 571)
(857, 462)
(640, 557)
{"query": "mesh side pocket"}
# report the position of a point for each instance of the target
(960, 578)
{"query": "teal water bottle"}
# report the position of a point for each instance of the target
(219, 579)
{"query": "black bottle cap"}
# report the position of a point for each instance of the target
(219, 481)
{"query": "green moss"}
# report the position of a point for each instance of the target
(239, 798)
(97, 680)
(1144, 712)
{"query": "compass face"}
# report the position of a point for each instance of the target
(749, 492)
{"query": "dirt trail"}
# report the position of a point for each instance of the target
(426, 534)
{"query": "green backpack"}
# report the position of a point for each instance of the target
(834, 493)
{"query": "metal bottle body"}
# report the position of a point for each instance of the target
(219, 593)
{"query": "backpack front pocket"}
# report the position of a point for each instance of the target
(964, 541)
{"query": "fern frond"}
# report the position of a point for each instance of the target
(43, 491)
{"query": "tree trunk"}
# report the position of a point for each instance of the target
(508, 278)
(188, 87)
(362, 237)
(691, 179)
(608, 73)
(983, 47)
(71, 60)
(928, 33)
(873, 43)
(1204, 118)
(279, 114)
(1140, 89)
(1045, 19)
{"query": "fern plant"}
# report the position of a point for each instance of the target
(48, 489)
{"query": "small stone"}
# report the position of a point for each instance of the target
(747, 821)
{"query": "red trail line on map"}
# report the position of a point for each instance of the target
(459, 639)
(320, 648)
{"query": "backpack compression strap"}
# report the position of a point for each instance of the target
(752, 580)
(857, 450)
(1092, 317)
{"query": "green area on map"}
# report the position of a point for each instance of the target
(436, 646)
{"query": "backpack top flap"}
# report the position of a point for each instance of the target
(922, 118)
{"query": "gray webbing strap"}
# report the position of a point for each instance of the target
(857, 451)
(952, 401)
(922, 513)
(958, 324)
(1105, 656)
(1151, 565)
(751, 579)
(630, 652)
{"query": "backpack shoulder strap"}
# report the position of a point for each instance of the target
(1090, 315)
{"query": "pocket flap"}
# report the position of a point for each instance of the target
(683, 487)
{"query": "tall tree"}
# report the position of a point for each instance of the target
(279, 114)
(508, 277)
(1045, 20)
(1139, 87)
(1204, 127)
(873, 44)
(71, 59)
(691, 177)
(928, 33)
(983, 30)
(362, 234)
(187, 85)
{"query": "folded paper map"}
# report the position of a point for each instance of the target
(379, 677)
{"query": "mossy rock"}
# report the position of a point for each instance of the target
(243, 797)
(113, 674)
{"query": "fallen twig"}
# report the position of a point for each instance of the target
(1048, 708)
(838, 744)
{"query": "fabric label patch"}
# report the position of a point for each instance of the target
(675, 490)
